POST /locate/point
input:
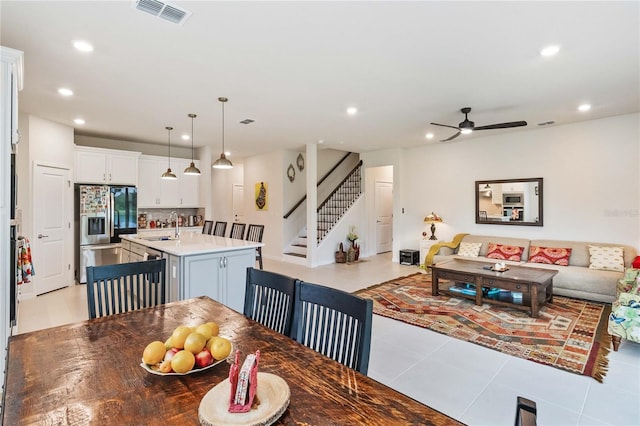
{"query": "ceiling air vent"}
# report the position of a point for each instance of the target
(546, 123)
(163, 10)
(247, 121)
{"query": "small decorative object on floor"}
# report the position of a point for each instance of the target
(244, 383)
(356, 247)
(341, 255)
(351, 254)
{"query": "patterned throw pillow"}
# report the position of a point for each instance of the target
(606, 258)
(549, 255)
(504, 252)
(469, 249)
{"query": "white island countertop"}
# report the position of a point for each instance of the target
(191, 243)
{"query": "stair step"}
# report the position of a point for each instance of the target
(299, 245)
(296, 254)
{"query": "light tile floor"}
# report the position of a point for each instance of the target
(475, 385)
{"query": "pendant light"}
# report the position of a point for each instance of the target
(192, 169)
(222, 162)
(169, 174)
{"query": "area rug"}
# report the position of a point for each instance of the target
(569, 334)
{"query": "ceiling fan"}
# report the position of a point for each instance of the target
(468, 126)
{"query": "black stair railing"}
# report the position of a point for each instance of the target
(322, 179)
(339, 201)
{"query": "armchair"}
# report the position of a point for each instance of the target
(624, 321)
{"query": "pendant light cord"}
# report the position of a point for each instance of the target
(192, 116)
(169, 129)
(222, 127)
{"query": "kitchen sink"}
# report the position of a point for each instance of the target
(158, 238)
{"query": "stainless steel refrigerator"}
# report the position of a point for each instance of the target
(103, 213)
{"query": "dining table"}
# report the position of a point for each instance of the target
(90, 372)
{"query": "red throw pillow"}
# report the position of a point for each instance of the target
(549, 255)
(504, 252)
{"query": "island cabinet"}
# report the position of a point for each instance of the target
(220, 276)
(200, 264)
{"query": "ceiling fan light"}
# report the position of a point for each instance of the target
(222, 163)
(466, 131)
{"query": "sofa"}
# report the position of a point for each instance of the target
(624, 320)
(576, 279)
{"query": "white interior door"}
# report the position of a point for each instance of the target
(384, 216)
(238, 203)
(51, 245)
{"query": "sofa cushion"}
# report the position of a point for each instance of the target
(469, 249)
(505, 252)
(580, 250)
(549, 255)
(606, 258)
(510, 241)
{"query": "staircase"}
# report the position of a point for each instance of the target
(330, 211)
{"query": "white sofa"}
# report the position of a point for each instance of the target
(576, 280)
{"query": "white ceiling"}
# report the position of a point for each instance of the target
(294, 67)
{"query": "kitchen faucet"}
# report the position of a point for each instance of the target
(171, 215)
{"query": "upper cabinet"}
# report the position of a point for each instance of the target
(153, 191)
(106, 166)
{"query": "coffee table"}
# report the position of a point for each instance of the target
(534, 284)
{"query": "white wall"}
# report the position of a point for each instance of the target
(590, 171)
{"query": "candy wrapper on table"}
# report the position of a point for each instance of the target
(244, 383)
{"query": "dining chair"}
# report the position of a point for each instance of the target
(333, 322)
(220, 228)
(114, 289)
(526, 412)
(254, 233)
(237, 230)
(269, 299)
(207, 227)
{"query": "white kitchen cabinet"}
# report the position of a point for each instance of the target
(105, 166)
(221, 276)
(153, 191)
(496, 193)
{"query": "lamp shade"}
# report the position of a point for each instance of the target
(432, 218)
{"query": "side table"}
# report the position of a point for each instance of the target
(425, 245)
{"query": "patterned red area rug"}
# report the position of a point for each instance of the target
(569, 334)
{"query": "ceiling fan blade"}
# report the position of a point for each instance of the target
(502, 125)
(446, 125)
(452, 137)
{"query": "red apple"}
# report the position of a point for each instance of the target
(170, 353)
(204, 358)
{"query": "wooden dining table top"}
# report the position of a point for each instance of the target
(89, 373)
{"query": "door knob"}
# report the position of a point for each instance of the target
(40, 236)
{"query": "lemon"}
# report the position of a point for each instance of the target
(179, 336)
(205, 330)
(195, 343)
(168, 343)
(214, 328)
(219, 347)
(183, 361)
(153, 353)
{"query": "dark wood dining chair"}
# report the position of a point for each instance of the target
(123, 287)
(237, 230)
(526, 412)
(254, 233)
(219, 228)
(207, 228)
(333, 322)
(269, 299)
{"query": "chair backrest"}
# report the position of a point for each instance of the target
(220, 228)
(334, 323)
(237, 230)
(526, 412)
(254, 233)
(269, 299)
(114, 289)
(208, 227)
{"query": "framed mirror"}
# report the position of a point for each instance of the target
(509, 202)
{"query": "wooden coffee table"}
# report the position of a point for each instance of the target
(534, 284)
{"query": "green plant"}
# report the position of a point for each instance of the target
(352, 236)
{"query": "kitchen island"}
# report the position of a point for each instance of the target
(198, 264)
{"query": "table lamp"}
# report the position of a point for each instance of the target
(432, 219)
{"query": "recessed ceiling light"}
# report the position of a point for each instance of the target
(466, 131)
(550, 50)
(352, 110)
(82, 46)
(429, 135)
(185, 137)
(320, 141)
(584, 107)
(227, 153)
(79, 121)
(65, 92)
